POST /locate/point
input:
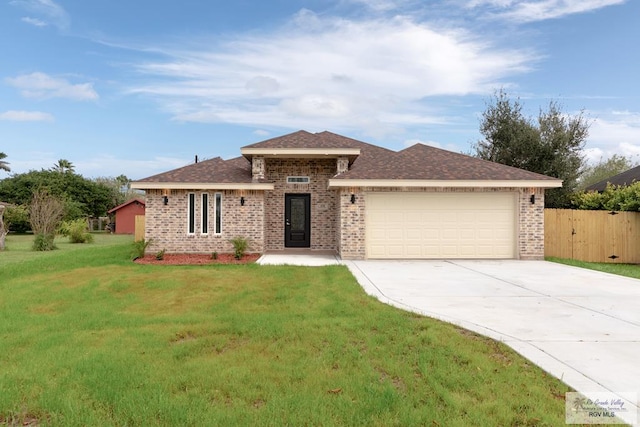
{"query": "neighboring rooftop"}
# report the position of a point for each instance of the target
(622, 179)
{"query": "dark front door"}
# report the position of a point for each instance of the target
(297, 220)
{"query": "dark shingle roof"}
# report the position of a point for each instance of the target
(422, 162)
(418, 162)
(304, 139)
(624, 179)
(236, 170)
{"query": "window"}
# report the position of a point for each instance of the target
(191, 229)
(218, 221)
(205, 213)
(297, 180)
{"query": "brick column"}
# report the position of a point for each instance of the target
(257, 168)
(342, 165)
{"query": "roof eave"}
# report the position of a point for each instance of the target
(142, 185)
(336, 183)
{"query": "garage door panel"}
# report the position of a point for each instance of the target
(440, 225)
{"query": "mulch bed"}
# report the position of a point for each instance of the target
(197, 259)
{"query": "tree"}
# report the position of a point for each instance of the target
(4, 165)
(604, 169)
(45, 214)
(3, 230)
(63, 166)
(550, 145)
(120, 187)
(82, 197)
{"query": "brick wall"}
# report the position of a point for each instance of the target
(167, 225)
(337, 224)
(323, 200)
(351, 233)
(531, 224)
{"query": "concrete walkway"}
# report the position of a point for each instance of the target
(581, 326)
(304, 258)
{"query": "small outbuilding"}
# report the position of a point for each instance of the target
(125, 216)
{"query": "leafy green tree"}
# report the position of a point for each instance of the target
(16, 219)
(81, 196)
(551, 145)
(120, 187)
(3, 164)
(604, 169)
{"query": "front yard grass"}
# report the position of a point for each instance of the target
(88, 338)
(628, 270)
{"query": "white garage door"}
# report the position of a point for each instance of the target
(441, 225)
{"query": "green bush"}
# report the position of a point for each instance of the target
(240, 245)
(44, 242)
(77, 231)
(139, 248)
(613, 198)
(16, 219)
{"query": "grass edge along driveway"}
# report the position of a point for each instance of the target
(89, 338)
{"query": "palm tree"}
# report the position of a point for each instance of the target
(63, 166)
(4, 165)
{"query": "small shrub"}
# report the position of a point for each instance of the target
(214, 255)
(139, 248)
(240, 245)
(16, 219)
(76, 230)
(44, 242)
(160, 255)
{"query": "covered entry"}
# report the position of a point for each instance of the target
(441, 225)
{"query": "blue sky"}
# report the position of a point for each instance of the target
(140, 87)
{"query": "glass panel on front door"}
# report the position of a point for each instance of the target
(298, 215)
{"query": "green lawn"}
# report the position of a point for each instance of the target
(629, 270)
(88, 338)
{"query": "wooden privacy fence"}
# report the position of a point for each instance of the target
(592, 236)
(139, 233)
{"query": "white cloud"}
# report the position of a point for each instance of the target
(261, 132)
(329, 72)
(34, 21)
(42, 86)
(614, 133)
(49, 12)
(26, 116)
(538, 10)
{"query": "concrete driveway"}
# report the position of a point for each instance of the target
(582, 326)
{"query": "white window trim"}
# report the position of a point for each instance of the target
(204, 210)
(304, 180)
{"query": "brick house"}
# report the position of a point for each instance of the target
(327, 192)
